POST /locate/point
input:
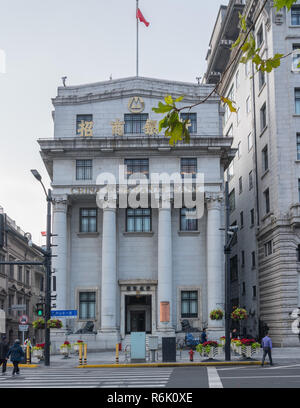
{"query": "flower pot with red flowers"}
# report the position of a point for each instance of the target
(54, 324)
(77, 345)
(38, 351)
(216, 314)
(239, 314)
(65, 348)
(209, 349)
(249, 347)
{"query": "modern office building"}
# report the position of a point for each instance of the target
(132, 269)
(264, 175)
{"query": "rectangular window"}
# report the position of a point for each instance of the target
(240, 185)
(137, 167)
(299, 190)
(27, 277)
(11, 268)
(237, 116)
(186, 223)
(260, 36)
(243, 258)
(193, 120)
(298, 146)
(20, 273)
(267, 200)
(230, 132)
(242, 219)
(254, 291)
(297, 101)
(252, 217)
(189, 167)
(2, 267)
(234, 268)
(263, 117)
(261, 79)
(298, 253)
(231, 170)
(251, 180)
(296, 57)
(265, 158)
(237, 79)
(87, 305)
(250, 142)
(83, 125)
(253, 259)
(88, 219)
(84, 169)
(244, 288)
(248, 105)
(231, 97)
(239, 152)
(268, 248)
(232, 200)
(138, 220)
(189, 303)
(295, 15)
(135, 122)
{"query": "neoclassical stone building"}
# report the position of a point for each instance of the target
(143, 269)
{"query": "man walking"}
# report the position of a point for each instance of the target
(3, 352)
(16, 354)
(267, 349)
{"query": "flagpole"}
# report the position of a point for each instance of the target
(137, 39)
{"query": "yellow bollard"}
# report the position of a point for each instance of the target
(117, 353)
(85, 354)
(28, 354)
(80, 354)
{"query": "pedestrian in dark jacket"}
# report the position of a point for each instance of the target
(16, 354)
(203, 338)
(4, 347)
(267, 349)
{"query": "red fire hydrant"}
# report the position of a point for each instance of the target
(191, 353)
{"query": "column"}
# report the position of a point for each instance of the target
(165, 281)
(59, 262)
(215, 264)
(109, 271)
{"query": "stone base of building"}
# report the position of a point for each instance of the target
(214, 333)
(107, 340)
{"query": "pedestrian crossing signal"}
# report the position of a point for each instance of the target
(40, 309)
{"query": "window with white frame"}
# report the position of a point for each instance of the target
(87, 305)
(296, 57)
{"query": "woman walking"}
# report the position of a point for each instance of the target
(16, 354)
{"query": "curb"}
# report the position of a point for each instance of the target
(213, 363)
(24, 365)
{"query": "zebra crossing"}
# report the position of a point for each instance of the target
(88, 378)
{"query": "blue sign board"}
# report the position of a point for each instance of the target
(64, 313)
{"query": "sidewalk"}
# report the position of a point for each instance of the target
(107, 359)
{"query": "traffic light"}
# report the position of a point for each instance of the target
(40, 309)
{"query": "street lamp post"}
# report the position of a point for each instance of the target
(48, 257)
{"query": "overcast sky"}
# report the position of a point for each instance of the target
(86, 40)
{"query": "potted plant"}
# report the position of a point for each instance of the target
(38, 323)
(208, 348)
(38, 351)
(216, 314)
(65, 348)
(239, 314)
(54, 324)
(249, 347)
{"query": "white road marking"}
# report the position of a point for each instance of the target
(214, 380)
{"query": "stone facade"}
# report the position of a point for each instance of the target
(265, 174)
(19, 285)
(131, 274)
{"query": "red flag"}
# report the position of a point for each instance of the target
(142, 19)
(44, 233)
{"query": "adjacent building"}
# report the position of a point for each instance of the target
(264, 177)
(21, 286)
(135, 269)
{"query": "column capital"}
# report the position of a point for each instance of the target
(60, 203)
(214, 200)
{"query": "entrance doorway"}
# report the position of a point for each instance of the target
(138, 313)
(138, 321)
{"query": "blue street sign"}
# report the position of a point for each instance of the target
(64, 313)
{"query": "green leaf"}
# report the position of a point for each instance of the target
(162, 108)
(230, 103)
(179, 99)
(169, 100)
(279, 4)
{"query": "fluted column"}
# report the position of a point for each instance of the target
(164, 290)
(60, 261)
(109, 271)
(215, 265)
